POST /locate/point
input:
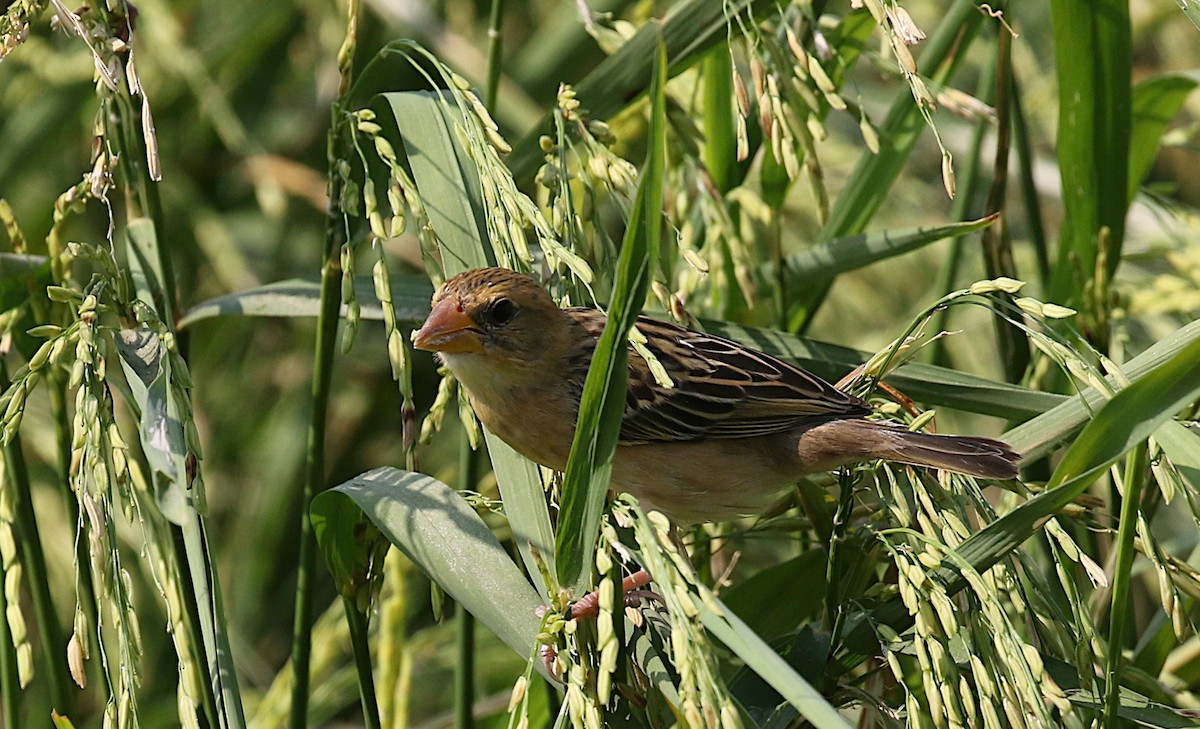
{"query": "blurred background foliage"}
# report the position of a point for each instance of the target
(241, 96)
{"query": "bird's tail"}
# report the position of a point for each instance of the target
(974, 456)
(846, 441)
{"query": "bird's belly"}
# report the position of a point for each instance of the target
(700, 481)
(690, 482)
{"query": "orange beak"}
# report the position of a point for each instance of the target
(449, 329)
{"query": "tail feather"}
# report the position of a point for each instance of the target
(974, 456)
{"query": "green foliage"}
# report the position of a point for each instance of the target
(196, 244)
(602, 405)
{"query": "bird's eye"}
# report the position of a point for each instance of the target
(501, 312)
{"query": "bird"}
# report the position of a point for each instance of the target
(734, 428)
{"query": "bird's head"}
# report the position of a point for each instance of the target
(500, 314)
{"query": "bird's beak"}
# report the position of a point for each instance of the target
(449, 329)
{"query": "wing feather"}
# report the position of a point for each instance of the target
(721, 388)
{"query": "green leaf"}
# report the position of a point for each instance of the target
(602, 406)
(418, 124)
(1042, 434)
(924, 383)
(689, 30)
(1092, 49)
(1192, 10)
(1130, 417)
(423, 124)
(147, 370)
(826, 259)
(146, 262)
(1156, 101)
(19, 275)
(759, 657)
(777, 599)
(298, 298)
(440, 532)
(720, 142)
(520, 483)
(1137, 708)
(1182, 446)
(347, 540)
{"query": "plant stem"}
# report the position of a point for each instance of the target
(1029, 193)
(362, 662)
(495, 47)
(1135, 468)
(997, 244)
(719, 145)
(464, 669)
(314, 479)
(327, 322)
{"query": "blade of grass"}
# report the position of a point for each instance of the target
(149, 373)
(297, 298)
(602, 406)
(440, 532)
(828, 258)
(1131, 502)
(720, 146)
(1039, 436)
(1156, 101)
(1182, 446)
(1093, 136)
(689, 30)
(728, 628)
(447, 179)
(925, 383)
(1191, 9)
(1136, 708)
(416, 123)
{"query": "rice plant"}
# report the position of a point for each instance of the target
(224, 222)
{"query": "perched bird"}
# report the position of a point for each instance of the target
(737, 426)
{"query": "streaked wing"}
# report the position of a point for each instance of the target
(722, 389)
